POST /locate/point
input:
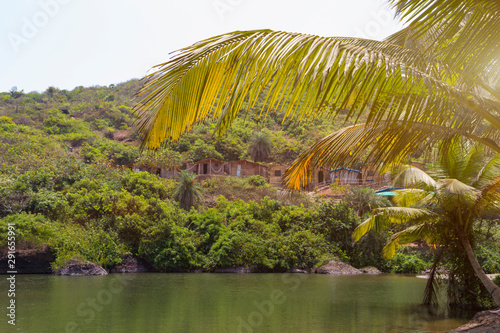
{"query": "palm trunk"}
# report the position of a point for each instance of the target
(430, 297)
(492, 288)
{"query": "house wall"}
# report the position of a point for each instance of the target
(343, 177)
(207, 166)
(274, 179)
(371, 176)
(247, 169)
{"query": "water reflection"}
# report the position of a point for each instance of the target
(227, 303)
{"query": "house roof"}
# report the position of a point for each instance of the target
(346, 169)
(206, 160)
(246, 161)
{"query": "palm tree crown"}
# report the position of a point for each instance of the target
(437, 210)
(188, 191)
(260, 147)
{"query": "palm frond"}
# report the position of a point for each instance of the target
(301, 76)
(454, 195)
(488, 172)
(382, 217)
(409, 235)
(414, 177)
(488, 199)
(413, 198)
(466, 32)
(368, 143)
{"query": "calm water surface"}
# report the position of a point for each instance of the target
(224, 303)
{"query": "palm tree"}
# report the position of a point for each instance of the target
(428, 83)
(260, 147)
(446, 208)
(188, 192)
(417, 86)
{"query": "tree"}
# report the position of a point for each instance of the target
(260, 147)
(364, 200)
(443, 209)
(413, 85)
(188, 192)
(423, 85)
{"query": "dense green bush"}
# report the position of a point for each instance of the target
(407, 263)
(169, 247)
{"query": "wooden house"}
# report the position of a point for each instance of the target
(372, 177)
(207, 167)
(345, 176)
(276, 174)
(318, 176)
(246, 168)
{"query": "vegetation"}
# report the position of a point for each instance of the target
(443, 211)
(188, 192)
(423, 86)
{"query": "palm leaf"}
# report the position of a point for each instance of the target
(466, 32)
(413, 198)
(409, 235)
(488, 172)
(382, 217)
(368, 143)
(454, 195)
(414, 177)
(302, 76)
(488, 199)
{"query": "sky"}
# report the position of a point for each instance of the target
(70, 43)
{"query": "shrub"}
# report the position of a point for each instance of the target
(168, 247)
(407, 263)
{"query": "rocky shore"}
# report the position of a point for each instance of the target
(482, 322)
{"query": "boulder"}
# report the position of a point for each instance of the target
(338, 268)
(78, 268)
(370, 270)
(482, 322)
(130, 264)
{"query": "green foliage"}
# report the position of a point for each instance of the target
(169, 247)
(488, 256)
(256, 180)
(30, 229)
(102, 149)
(259, 146)
(407, 263)
(144, 184)
(188, 192)
(363, 200)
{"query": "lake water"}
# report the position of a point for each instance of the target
(223, 303)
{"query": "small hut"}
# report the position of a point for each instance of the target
(345, 176)
(276, 174)
(372, 176)
(207, 167)
(246, 168)
(319, 176)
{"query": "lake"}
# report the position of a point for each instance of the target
(224, 303)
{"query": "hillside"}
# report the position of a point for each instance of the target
(96, 124)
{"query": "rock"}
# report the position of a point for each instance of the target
(78, 268)
(130, 264)
(370, 270)
(338, 268)
(482, 322)
(29, 259)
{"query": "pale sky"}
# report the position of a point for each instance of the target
(69, 43)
